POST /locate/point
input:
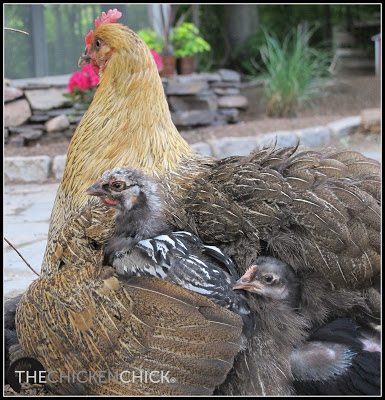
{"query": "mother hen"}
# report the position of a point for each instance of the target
(312, 210)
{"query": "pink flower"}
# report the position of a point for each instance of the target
(158, 60)
(85, 79)
(88, 71)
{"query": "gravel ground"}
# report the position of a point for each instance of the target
(348, 97)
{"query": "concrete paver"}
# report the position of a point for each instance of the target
(27, 209)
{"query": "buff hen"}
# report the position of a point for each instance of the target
(315, 211)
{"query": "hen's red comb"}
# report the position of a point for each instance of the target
(110, 17)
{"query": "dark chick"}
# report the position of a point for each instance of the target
(137, 201)
(143, 244)
(272, 279)
(337, 358)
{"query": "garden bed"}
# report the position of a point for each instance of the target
(345, 98)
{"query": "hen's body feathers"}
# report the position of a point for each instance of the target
(309, 209)
(99, 323)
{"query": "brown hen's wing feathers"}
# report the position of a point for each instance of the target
(313, 211)
(94, 322)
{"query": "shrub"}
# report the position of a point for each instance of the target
(295, 71)
(187, 41)
(151, 39)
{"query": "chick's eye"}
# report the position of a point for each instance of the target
(268, 278)
(98, 43)
(118, 186)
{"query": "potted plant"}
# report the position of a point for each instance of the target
(152, 40)
(162, 45)
(187, 43)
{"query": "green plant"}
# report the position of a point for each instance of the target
(295, 71)
(187, 41)
(151, 39)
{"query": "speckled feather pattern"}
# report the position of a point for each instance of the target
(315, 211)
(91, 321)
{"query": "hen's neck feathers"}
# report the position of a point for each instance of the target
(127, 124)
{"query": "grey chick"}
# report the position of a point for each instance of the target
(143, 244)
(138, 203)
(339, 357)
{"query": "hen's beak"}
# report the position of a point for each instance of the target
(96, 190)
(84, 59)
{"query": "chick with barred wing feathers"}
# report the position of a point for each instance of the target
(314, 211)
(143, 244)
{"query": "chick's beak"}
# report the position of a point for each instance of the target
(247, 281)
(96, 190)
(84, 59)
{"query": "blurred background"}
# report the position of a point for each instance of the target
(235, 32)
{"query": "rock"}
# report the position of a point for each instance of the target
(233, 146)
(233, 102)
(17, 141)
(59, 123)
(58, 166)
(219, 120)
(75, 119)
(28, 132)
(226, 91)
(231, 114)
(371, 120)
(11, 93)
(202, 148)
(193, 118)
(16, 113)
(210, 76)
(46, 99)
(16, 130)
(42, 82)
(185, 87)
(279, 138)
(224, 84)
(345, 126)
(60, 111)
(39, 118)
(229, 75)
(26, 169)
(210, 98)
(314, 137)
(187, 103)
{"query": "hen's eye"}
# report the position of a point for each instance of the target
(268, 278)
(98, 43)
(118, 186)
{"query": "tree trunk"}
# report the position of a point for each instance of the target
(241, 21)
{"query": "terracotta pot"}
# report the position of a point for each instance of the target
(186, 65)
(169, 66)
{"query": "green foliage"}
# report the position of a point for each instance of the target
(187, 41)
(295, 71)
(81, 98)
(247, 55)
(151, 39)
(18, 57)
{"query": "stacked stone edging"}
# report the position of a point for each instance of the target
(42, 168)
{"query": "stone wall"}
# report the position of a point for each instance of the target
(36, 110)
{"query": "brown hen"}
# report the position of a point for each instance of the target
(314, 211)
